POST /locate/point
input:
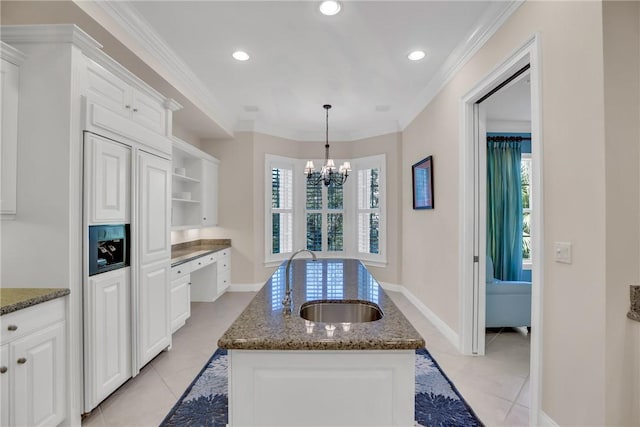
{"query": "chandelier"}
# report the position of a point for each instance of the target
(328, 173)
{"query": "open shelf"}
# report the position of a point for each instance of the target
(185, 200)
(185, 178)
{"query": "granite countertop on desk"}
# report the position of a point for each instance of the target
(263, 326)
(14, 299)
(188, 251)
(634, 310)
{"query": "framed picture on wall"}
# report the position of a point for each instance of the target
(422, 175)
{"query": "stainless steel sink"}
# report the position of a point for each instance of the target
(340, 311)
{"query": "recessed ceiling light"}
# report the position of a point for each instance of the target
(330, 7)
(240, 55)
(416, 55)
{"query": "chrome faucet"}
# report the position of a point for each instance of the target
(286, 302)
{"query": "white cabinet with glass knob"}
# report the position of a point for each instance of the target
(33, 365)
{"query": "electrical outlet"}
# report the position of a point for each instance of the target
(562, 252)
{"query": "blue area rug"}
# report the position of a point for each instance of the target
(438, 403)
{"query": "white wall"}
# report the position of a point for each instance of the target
(574, 374)
(622, 133)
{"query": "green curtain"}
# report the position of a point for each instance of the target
(504, 209)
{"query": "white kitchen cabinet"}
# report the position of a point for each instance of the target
(4, 385)
(107, 176)
(9, 85)
(154, 195)
(112, 92)
(107, 335)
(33, 353)
(154, 311)
(209, 196)
(224, 270)
(195, 187)
(154, 305)
(180, 301)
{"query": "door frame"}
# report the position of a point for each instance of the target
(473, 231)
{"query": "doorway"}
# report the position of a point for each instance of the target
(473, 152)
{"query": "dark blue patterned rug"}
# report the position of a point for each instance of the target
(438, 403)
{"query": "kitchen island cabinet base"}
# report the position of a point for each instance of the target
(329, 388)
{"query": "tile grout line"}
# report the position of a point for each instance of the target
(514, 403)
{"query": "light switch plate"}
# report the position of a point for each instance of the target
(562, 252)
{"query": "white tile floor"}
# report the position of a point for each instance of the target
(496, 385)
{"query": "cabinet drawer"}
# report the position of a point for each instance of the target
(32, 318)
(203, 261)
(180, 270)
(224, 260)
(224, 280)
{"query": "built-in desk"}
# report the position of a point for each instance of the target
(200, 271)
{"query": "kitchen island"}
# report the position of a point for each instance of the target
(285, 370)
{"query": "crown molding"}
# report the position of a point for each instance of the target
(57, 33)
(172, 104)
(11, 54)
(143, 33)
(139, 29)
(493, 18)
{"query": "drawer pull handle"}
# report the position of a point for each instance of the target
(204, 219)
(179, 271)
(22, 361)
(199, 263)
(12, 327)
(127, 106)
(135, 110)
(3, 369)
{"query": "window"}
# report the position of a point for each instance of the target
(280, 217)
(324, 205)
(368, 211)
(345, 221)
(525, 173)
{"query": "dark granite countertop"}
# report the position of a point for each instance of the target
(185, 252)
(14, 299)
(262, 326)
(634, 310)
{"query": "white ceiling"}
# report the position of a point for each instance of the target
(301, 59)
(511, 103)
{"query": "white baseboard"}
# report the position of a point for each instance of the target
(545, 420)
(242, 287)
(444, 329)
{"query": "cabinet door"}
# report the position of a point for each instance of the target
(180, 301)
(148, 112)
(9, 141)
(4, 385)
(209, 187)
(155, 208)
(39, 377)
(108, 90)
(108, 336)
(107, 169)
(154, 313)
